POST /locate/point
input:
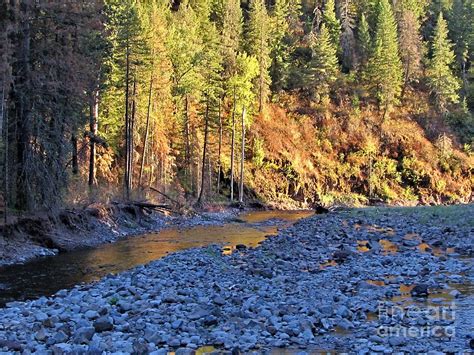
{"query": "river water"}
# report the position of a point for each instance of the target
(46, 276)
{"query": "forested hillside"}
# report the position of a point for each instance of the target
(336, 101)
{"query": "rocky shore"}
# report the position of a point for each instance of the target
(357, 281)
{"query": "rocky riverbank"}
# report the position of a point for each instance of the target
(373, 280)
(29, 237)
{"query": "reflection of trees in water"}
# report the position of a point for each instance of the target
(47, 276)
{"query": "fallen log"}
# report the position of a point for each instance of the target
(181, 207)
(165, 195)
(150, 207)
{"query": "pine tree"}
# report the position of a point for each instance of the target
(364, 41)
(201, 7)
(385, 68)
(129, 52)
(44, 89)
(369, 8)
(461, 30)
(332, 23)
(410, 46)
(231, 24)
(441, 80)
(279, 21)
(243, 95)
(417, 7)
(294, 13)
(279, 44)
(229, 20)
(155, 101)
(433, 9)
(348, 42)
(212, 91)
(324, 64)
(188, 57)
(258, 44)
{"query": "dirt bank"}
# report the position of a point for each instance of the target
(29, 237)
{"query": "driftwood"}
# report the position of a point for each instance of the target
(149, 205)
(183, 208)
(162, 208)
(166, 196)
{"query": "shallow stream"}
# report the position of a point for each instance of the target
(45, 276)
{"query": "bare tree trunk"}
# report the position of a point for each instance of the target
(4, 120)
(204, 151)
(23, 124)
(2, 105)
(209, 168)
(405, 81)
(196, 165)
(164, 174)
(145, 142)
(261, 76)
(370, 175)
(93, 118)
(187, 148)
(152, 156)
(132, 130)
(232, 152)
(219, 161)
(75, 163)
(465, 80)
(242, 159)
(127, 125)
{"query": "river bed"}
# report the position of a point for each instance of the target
(46, 276)
(357, 281)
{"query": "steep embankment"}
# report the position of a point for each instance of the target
(344, 153)
(31, 236)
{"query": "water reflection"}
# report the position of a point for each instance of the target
(435, 297)
(363, 246)
(261, 216)
(388, 247)
(436, 251)
(376, 282)
(48, 275)
(207, 350)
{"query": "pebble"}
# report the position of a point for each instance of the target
(83, 335)
(103, 324)
(277, 295)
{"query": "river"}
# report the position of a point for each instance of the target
(46, 276)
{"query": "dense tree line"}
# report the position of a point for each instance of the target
(139, 93)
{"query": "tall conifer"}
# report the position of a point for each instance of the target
(385, 68)
(258, 43)
(441, 80)
(324, 64)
